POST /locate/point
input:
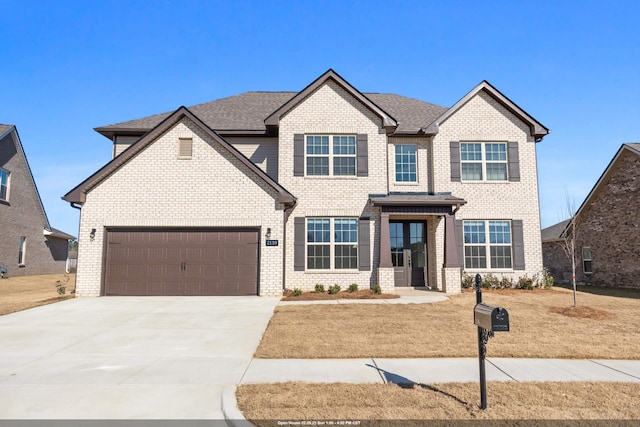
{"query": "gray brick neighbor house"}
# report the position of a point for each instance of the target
(262, 191)
(608, 228)
(28, 244)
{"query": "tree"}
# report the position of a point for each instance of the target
(568, 242)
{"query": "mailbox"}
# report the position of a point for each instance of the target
(491, 318)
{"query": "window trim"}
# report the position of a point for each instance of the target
(22, 251)
(487, 245)
(331, 155)
(395, 155)
(484, 162)
(586, 260)
(6, 174)
(332, 244)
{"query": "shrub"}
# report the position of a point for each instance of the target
(319, 288)
(334, 289)
(525, 282)
(353, 287)
(506, 283)
(547, 280)
(467, 281)
(489, 281)
(61, 285)
(297, 292)
(376, 289)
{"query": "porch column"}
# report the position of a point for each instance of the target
(450, 244)
(385, 241)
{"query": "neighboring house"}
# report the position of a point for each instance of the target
(269, 190)
(607, 228)
(28, 244)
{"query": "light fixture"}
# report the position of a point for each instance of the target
(268, 234)
(92, 235)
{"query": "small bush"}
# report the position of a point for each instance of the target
(61, 285)
(547, 280)
(506, 283)
(353, 287)
(467, 281)
(297, 292)
(319, 288)
(376, 289)
(526, 283)
(489, 281)
(334, 289)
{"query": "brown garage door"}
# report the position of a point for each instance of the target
(181, 262)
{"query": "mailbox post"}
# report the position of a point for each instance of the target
(488, 319)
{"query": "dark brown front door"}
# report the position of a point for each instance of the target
(408, 252)
(181, 262)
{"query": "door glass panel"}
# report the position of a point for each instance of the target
(397, 243)
(416, 240)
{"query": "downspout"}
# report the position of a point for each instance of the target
(286, 214)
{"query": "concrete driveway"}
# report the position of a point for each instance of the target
(128, 357)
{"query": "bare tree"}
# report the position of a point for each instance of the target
(568, 242)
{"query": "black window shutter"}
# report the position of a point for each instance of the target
(298, 154)
(362, 149)
(364, 245)
(518, 244)
(298, 244)
(514, 161)
(454, 150)
(460, 241)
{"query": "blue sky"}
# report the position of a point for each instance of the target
(70, 66)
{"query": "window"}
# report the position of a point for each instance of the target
(339, 156)
(332, 243)
(586, 260)
(487, 237)
(406, 163)
(483, 161)
(21, 250)
(4, 184)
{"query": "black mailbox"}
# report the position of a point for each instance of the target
(491, 318)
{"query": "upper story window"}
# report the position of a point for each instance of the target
(406, 163)
(4, 184)
(483, 161)
(330, 155)
(487, 244)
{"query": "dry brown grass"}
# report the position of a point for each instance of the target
(610, 329)
(454, 401)
(319, 296)
(23, 292)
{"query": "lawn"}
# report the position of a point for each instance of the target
(23, 292)
(271, 404)
(543, 324)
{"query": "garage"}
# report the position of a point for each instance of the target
(207, 262)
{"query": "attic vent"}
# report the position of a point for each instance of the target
(185, 148)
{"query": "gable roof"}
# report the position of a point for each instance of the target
(274, 118)
(633, 148)
(78, 194)
(536, 128)
(554, 232)
(6, 130)
(249, 112)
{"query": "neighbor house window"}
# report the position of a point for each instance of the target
(22, 246)
(487, 244)
(332, 243)
(4, 184)
(406, 163)
(586, 260)
(483, 161)
(330, 155)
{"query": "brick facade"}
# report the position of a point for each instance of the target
(23, 215)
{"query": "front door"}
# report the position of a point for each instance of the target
(408, 252)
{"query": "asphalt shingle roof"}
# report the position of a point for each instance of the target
(4, 128)
(248, 110)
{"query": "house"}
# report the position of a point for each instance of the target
(28, 244)
(269, 190)
(607, 224)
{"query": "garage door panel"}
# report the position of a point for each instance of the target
(182, 262)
